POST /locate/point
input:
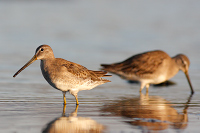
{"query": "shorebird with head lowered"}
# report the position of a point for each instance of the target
(151, 67)
(65, 75)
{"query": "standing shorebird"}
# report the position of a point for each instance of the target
(65, 75)
(151, 67)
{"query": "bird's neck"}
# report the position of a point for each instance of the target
(177, 61)
(173, 68)
(45, 63)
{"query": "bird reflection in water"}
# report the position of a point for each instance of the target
(149, 112)
(73, 124)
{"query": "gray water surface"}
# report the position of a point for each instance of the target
(91, 33)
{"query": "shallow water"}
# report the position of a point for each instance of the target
(91, 33)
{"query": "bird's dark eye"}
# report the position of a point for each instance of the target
(42, 49)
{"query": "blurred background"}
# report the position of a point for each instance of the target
(90, 33)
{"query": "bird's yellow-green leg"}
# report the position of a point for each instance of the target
(64, 108)
(64, 99)
(76, 99)
(142, 86)
(74, 113)
(147, 88)
(76, 108)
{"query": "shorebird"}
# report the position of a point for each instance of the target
(151, 67)
(64, 75)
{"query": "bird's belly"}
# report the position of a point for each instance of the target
(75, 86)
(159, 79)
(153, 80)
(62, 86)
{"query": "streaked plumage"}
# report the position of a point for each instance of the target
(151, 67)
(65, 75)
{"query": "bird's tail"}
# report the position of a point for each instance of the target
(102, 74)
(107, 67)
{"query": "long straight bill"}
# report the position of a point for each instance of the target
(188, 78)
(26, 65)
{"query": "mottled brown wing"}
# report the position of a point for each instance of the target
(142, 63)
(79, 71)
(82, 72)
(100, 73)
